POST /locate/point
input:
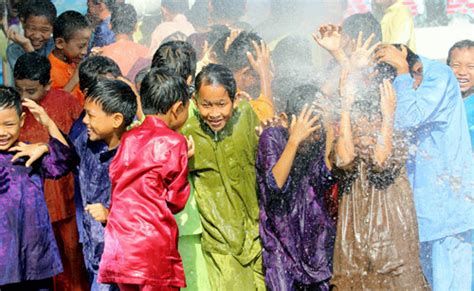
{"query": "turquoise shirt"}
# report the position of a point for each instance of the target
(440, 166)
(469, 105)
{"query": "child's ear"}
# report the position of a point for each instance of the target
(118, 120)
(59, 43)
(177, 108)
(284, 119)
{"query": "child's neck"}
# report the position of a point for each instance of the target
(114, 140)
(165, 118)
(60, 55)
(122, 37)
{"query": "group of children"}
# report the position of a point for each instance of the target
(177, 178)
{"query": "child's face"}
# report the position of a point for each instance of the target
(214, 105)
(38, 30)
(100, 125)
(31, 89)
(247, 80)
(10, 125)
(462, 63)
(75, 49)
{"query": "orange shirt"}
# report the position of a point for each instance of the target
(61, 73)
(125, 53)
(263, 107)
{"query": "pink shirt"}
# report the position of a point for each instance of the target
(125, 53)
(165, 29)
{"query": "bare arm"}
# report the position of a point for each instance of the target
(383, 148)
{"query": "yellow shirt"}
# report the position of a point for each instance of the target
(397, 26)
(263, 107)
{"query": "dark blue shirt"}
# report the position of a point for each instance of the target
(103, 35)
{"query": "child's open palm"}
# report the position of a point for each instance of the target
(33, 151)
(262, 63)
(362, 55)
(304, 125)
(328, 36)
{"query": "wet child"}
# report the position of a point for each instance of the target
(110, 107)
(149, 185)
(296, 228)
(377, 244)
(30, 256)
(124, 51)
(71, 37)
(38, 20)
(223, 175)
(32, 80)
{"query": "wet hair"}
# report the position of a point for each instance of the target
(300, 96)
(68, 23)
(34, 67)
(292, 51)
(231, 10)
(176, 6)
(176, 56)
(463, 44)
(43, 8)
(161, 89)
(114, 96)
(141, 75)
(214, 74)
(236, 56)
(9, 98)
(124, 19)
(364, 22)
(94, 68)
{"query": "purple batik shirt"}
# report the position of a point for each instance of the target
(28, 250)
(295, 227)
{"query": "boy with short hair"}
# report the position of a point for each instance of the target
(124, 50)
(110, 107)
(71, 38)
(32, 80)
(179, 57)
(149, 185)
(38, 20)
(29, 252)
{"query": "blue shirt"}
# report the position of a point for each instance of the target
(440, 166)
(469, 105)
(103, 35)
(95, 187)
(14, 51)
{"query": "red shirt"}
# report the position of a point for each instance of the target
(63, 109)
(61, 73)
(149, 184)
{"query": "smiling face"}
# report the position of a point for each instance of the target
(10, 125)
(214, 105)
(462, 63)
(100, 125)
(38, 30)
(75, 49)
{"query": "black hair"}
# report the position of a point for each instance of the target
(9, 98)
(215, 74)
(68, 23)
(109, 3)
(411, 58)
(198, 15)
(161, 89)
(124, 19)
(34, 67)
(290, 52)
(231, 10)
(176, 6)
(365, 23)
(95, 67)
(306, 94)
(236, 56)
(463, 44)
(114, 96)
(43, 8)
(176, 56)
(141, 75)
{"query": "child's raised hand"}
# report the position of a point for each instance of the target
(304, 125)
(388, 99)
(262, 63)
(98, 212)
(14, 35)
(234, 33)
(38, 112)
(328, 36)
(347, 90)
(362, 55)
(191, 148)
(33, 151)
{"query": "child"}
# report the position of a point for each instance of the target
(110, 107)
(177, 56)
(71, 37)
(223, 175)
(29, 252)
(296, 228)
(100, 11)
(38, 20)
(377, 236)
(124, 51)
(149, 185)
(249, 59)
(32, 80)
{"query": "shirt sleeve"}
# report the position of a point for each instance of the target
(59, 161)
(175, 174)
(14, 52)
(417, 107)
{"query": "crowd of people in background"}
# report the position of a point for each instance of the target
(205, 154)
